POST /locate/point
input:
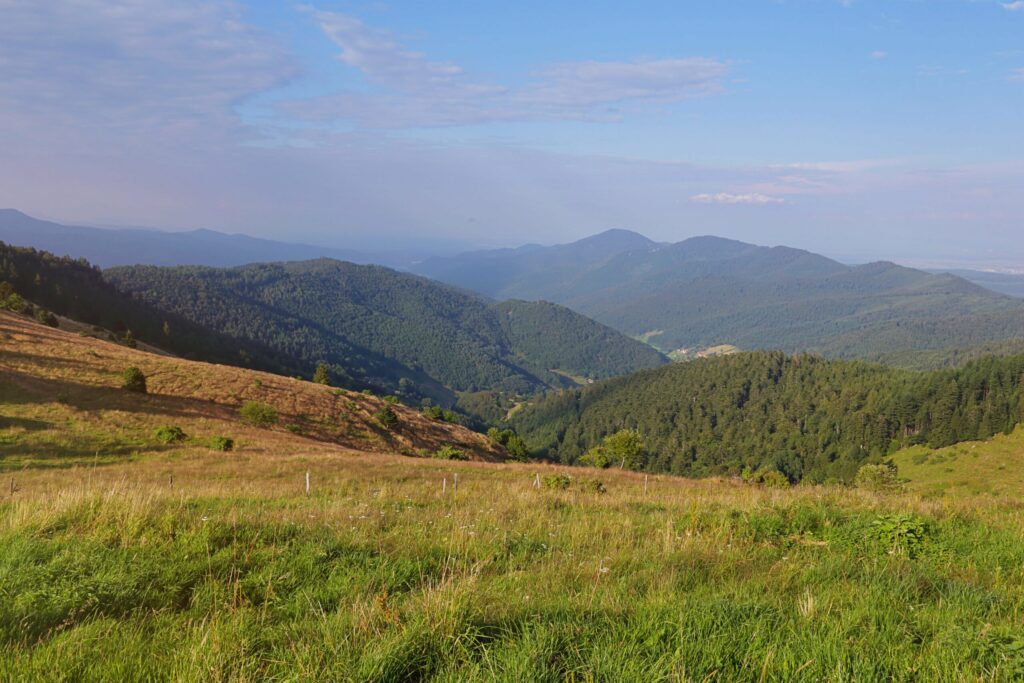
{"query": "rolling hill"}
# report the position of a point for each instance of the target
(707, 291)
(64, 405)
(377, 326)
(809, 418)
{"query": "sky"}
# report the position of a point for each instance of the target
(862, 129)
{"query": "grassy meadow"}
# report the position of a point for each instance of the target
(124, 558)
(198, 566)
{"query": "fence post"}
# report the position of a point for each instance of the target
(307, 482)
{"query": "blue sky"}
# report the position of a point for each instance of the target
(862, 129)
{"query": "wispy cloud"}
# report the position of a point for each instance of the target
(879, 54)
(1016, 6)
(147, 67)
(416, 91)
(755, 198)
(1017, 75)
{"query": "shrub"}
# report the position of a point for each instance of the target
(322, 375)
(132, 379)
(386, 417)
(46, 318)
(773, 479)
(294, 428)
(558, 482)
(591, 486)
(170, 434)
(900, 534)
(511, 442)
(258, 414)
(450, 453)
(222, 443)
(878, 478)
(624, 448)
(391, 400)
(434, 412)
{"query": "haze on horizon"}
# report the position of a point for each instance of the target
(861, 129)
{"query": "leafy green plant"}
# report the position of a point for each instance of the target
(900, 534)
(878, 478)
(45, 317)
(258, 414)
(625, 448)
(133, 379)
(558, 482)
(294, 428)
(169, 434)
(386, 417)
(450, 453)
(591, 486)
(222, 443)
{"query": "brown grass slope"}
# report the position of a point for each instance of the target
(61, 401)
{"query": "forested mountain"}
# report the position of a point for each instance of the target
(804, 416)
(1011, 284)
(107, 247)
(378, 326)
(77, 290)
(708, 291)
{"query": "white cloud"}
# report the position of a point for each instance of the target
(130, 68)
(879, 54)
(419, 91)
(1017, 75)
(754, 198)
(1016, 6)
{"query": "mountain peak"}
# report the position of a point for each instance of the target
(616, 238)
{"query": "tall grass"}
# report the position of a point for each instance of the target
(219, 567)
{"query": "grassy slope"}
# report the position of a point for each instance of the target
(62, 404)
(191, 565)
(994, 467)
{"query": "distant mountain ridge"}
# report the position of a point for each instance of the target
(107, 247)
(395, 330)
(707, 291)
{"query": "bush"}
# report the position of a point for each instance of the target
(624, 448)
(222, 443)
(132, 379)
(170, 434)
(450, 453)
(322, 375)
(434, 412)
(591, 486)
(294, 428)
(773, 479)
(46, 318)
(558, 482)
(386, 417)
(391, 400)
(878, 478)
(511, 442)
(258, 414)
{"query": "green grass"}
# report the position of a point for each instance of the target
(994, 467)
(203, 567)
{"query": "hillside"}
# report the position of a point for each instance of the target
(108, 247)
(75, 289)
(64, 405)
(187, 564)
(377, 326)
(706, 292)
(809, 418)
(992, 467)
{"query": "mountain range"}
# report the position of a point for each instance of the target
(106, 247)
(379, 327)
(708, 291)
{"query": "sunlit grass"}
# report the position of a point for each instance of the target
(196, 566)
